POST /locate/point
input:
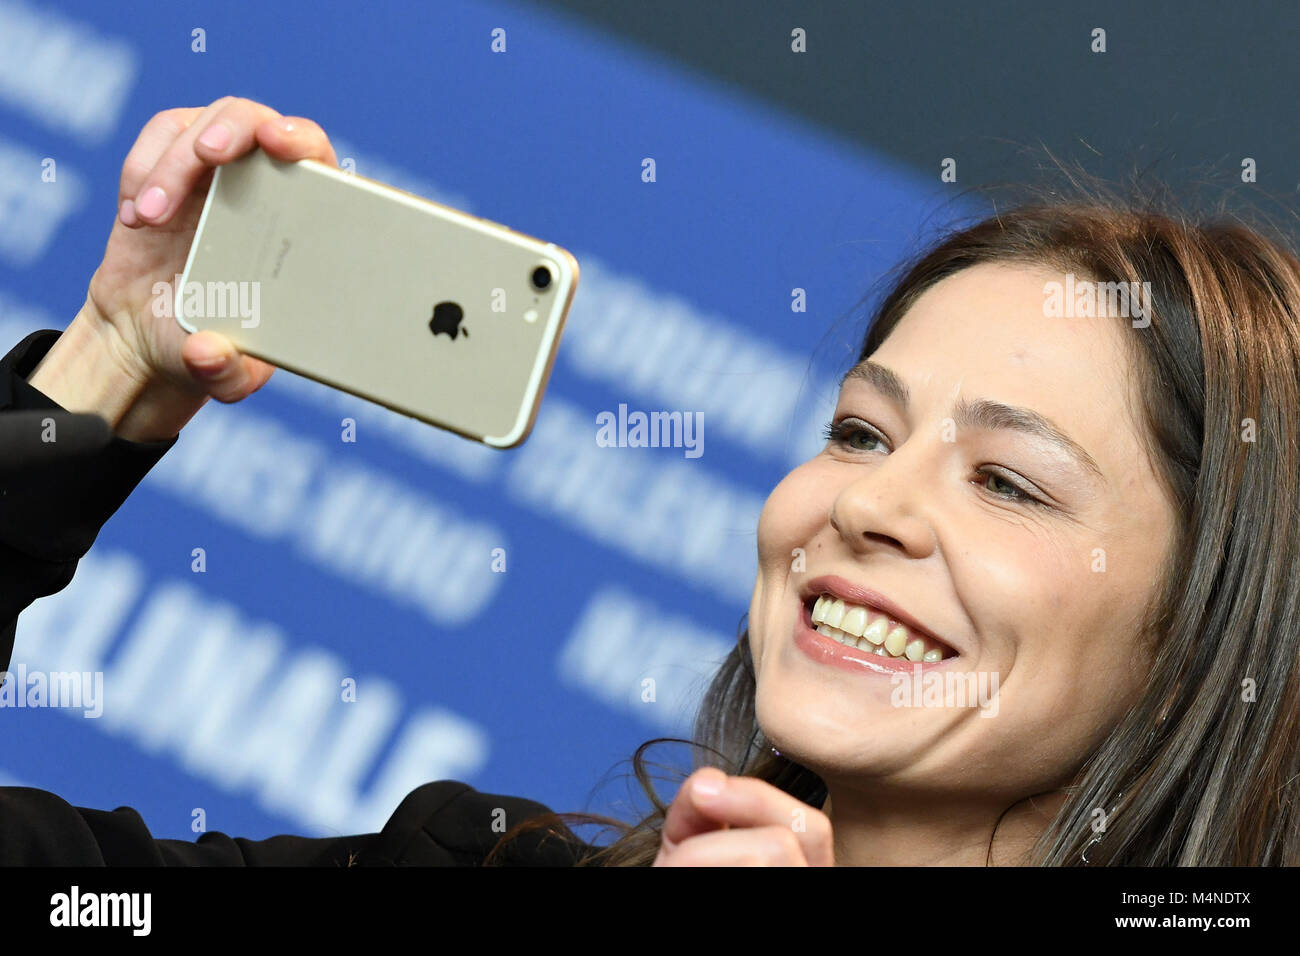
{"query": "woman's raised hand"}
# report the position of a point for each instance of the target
(721, 820)
(165, 179)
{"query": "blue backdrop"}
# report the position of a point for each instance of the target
(354, 630)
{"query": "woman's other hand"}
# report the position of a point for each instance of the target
(721, 820)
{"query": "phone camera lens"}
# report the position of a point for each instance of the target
(541, 278)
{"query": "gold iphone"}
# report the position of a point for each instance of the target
(429, 311)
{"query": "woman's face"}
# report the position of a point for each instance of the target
(1028, 569)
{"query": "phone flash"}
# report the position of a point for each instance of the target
(530, 315)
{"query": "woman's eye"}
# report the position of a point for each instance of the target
(850, 434)
(1002, 488)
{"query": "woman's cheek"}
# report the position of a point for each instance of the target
(1041, 574)
(786, 531)
(787, 521)
(1063, 648)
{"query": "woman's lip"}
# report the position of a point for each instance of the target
(826, 650)
(855, 594)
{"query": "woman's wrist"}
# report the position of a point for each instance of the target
(90, 369)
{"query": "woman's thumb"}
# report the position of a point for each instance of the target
(216, 365)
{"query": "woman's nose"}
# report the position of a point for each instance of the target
(884, 507)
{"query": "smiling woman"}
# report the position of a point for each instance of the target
(1094, 517)
(1035, 601)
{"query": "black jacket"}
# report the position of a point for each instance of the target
(48, 520)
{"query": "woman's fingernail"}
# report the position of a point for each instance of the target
(217, 136)
(708, 786)
(126, 212)
(209, 370)
(152, 203)
(285, 124)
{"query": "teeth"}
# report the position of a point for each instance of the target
(854, 626)
(834, 614)
(896, 642)
(855, 621)
(876, 631)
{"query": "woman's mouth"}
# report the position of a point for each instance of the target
(861, 638)
(854, 625)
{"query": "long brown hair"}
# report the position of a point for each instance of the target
(1204, 767)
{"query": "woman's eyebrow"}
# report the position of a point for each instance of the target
(881, 379)
(981, 413)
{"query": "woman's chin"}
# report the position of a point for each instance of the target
(826, 734)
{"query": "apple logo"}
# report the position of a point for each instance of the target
(446, 318)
